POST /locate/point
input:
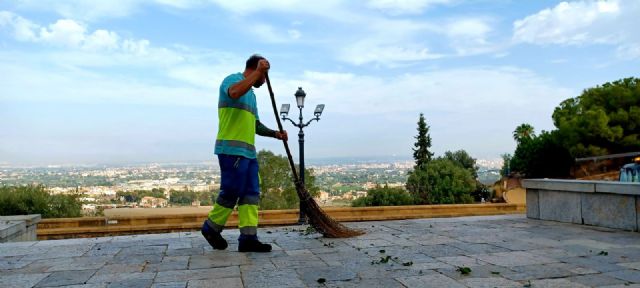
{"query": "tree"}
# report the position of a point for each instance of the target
(464, 160)
(423, 142)
(506, 159)
(384, 196)
(277, 190)
(522, 132)
(602, 120)
(441, 182)
(542, 157)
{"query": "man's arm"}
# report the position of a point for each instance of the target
(264, 131)
(240, 88)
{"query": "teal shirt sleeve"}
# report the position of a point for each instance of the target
(227, 83)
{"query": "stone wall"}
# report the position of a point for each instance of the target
(597, 203)
(18, 228)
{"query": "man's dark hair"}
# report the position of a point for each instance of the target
(252, 62)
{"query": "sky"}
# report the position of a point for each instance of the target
(128, 81)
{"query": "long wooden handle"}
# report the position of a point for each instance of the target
(286, 145)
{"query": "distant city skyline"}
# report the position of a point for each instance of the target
(136, 81)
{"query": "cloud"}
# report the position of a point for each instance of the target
(23, 29)
(270, 34)
(583, 23)
(399, 7)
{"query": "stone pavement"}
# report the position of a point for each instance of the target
(488, 251)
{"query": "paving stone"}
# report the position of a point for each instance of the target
(180, 244)
(118, 277)
(188, 275)
(518, 245)
(66, 278)
(272, 278)
(222, 282)
(485, 271)
(103, 251)
(185, 252)
(491, 282)
(120, 268)
(515, 258)
(298, 262)
(442, 250)
(75, 263)
(596, 280)
(311, 275)
(217, 259)
(131, 283)
(170, 285)
(557, 253)
(136, 259)
(528, 272)
(554, 283)
(632, 265)
(21, 280)
(169, 263)
(478, 248)
(59, 252)
(14, 262)
(92, 285)
(390, 272)
(461, 261)
(369, 283)
(432, 280)
(433, 239)
(593, 263)
(364, 243)
(627, 275)
(143, 250)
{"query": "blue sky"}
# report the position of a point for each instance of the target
(137, 80)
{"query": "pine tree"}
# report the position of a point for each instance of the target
(423, 142)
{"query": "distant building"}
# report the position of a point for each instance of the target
(153, 202)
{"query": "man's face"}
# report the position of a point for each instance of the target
(259, 82)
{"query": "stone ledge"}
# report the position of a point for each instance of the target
(18, 227)
(583, 186)
(560, 185)
(9, 229)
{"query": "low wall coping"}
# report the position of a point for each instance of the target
(31, 219)
(583, 186)
(10, 228)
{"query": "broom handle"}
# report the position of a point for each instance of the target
(286, 145)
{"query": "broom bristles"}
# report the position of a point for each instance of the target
(319, 220)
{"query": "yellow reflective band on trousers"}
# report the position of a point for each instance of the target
(237, 125)
(248, 215)
(219, 214)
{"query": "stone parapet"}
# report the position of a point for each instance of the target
(597, 203)
(18, 228)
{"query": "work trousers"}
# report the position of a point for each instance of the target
(240, 184)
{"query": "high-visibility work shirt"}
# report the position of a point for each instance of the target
(236, 121)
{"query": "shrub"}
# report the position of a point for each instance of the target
(32, 199)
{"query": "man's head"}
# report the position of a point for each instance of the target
(252, 64)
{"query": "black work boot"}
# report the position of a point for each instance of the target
(213, 237)
(253, 245)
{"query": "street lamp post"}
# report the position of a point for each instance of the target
(284, 111)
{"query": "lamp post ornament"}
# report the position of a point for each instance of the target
(284, 111)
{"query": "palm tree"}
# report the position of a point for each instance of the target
(524, 131)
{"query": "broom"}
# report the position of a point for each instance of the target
(318, 219)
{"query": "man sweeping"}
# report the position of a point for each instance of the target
(238, 124)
